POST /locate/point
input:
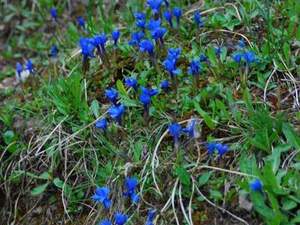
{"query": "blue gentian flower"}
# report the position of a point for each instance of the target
(170, 66)
(175, 131)
(105, 222)
(153, 24)
(53, 51)
(174, 53)
(102, 196)
(53, 13)
(140, 20)
(115, 36)
(99, 41)
(158, 33)
(241, 43)
(211, 147)
(177, 12)
(198, 19)
(237, 57)
(155, 5)
(87, 48)
(116, 112)
(146, 95)
(29, 66)
(120, 218)
(218, 51)
(168, 16)
(190, 129)
(136, 38)
(19, 68)
(101, 124)
(249, 57)
(256, 185)
(150, 217)
(222, 149)
(194, 68)
(167, 3)
(165, 85)
(203, 58)
(112, 95)
(147, 46)
(80, 21)
(131, 82)
(131, 184)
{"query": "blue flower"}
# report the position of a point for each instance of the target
(190, 129)
(147, 46)
(19, 68)
(140, 20)
(158, 33)
(102, 196)
(53, 51)
(29, 66)
(146, 95)
(241, 43)
(115, 36)
(194, 68)
(221, 148)
(136, 38)
(53, 13)
(116, 112)
(175, 131)
(165, 85)
(120, 218)
(177, 12)
(203, 58)
(211, 147)
(237, 57)
(198, 19)
(170, 66)
(249, 57)
(256, 185)
(131, 82)
(218, 51)
(155, 5)
(87, 48)
(150, 217)
(130, 186)
(168, 17)
(100, 41)
(112, 95)
(167, 3)
(153, 24)
(105, 222)
(101, 124)
(81, 22)
(174, 53)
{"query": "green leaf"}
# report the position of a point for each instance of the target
(9, 137)
(288, 204)
(275, 158)
(95, 107)
(121, 88)
(207, 119)
(39, 189)
(291, 135)
(203, 179)
(183, 175)
(58, 182)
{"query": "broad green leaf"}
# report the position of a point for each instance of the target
(203, 179)
(290, 134)
(95, 107)
(58, 182)
(39, 189)
(183, 175)
(207, 119)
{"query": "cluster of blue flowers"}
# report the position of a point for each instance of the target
(22, 72)
(242, 54)
(130, 185)
(213, 147)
